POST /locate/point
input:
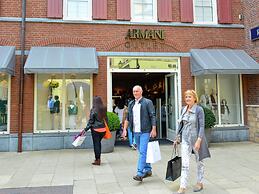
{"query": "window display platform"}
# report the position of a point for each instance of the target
(56, 141)
(229, 134)
(43, 141)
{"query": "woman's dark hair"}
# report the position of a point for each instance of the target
(99, 108)
(121, 104)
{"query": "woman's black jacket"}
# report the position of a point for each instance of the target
(94, 122)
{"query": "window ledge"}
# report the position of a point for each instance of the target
(253, 105)
(116, 22)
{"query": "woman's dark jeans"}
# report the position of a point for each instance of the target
(97, 137)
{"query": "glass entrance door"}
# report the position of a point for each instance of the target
(171, 104)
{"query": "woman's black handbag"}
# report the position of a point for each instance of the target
(174, 167)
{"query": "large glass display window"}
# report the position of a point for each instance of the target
(63, 101)
(221, 94)
(4, 84)
(206, 87)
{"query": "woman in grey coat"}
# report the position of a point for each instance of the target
(191, 132)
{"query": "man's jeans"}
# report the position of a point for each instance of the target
(131, 137)
(142, 140)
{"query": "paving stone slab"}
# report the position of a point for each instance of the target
(38, 190)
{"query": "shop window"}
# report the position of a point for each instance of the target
(229, 97)
(221, 94)
(144, 10)
(206, 87)
(3, 102)
(77, 9)
(63, 102)
(205, 11)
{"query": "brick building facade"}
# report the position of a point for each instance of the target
(48, 25)
(251, 20)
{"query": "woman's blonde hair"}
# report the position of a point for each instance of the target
(192, 93)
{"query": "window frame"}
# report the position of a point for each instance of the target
(63, 115)
(134, 19)
(89, 16)
(214, 14)
(8, 107)
(218, 101)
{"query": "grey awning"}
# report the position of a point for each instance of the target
(222, 61)
(61, 60)
(7, 59)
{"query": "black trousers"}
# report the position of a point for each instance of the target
(97, 137)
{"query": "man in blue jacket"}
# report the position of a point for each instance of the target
(141, 119)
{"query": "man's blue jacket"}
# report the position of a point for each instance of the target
(147, 115)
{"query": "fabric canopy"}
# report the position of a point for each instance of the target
(222, 61)
(7, 59)
(61, 60)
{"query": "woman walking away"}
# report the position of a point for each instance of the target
(193, 140)
(96, 123)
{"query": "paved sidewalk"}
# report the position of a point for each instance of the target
(233, 169)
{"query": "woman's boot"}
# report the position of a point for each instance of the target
(97, 162)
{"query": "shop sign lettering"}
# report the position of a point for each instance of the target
(145, 34)
(141, 44)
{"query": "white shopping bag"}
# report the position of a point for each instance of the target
(153, 152)
(79, 140)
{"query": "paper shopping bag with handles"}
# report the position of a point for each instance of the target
(153, 152)
(79, 139)
(174, 167)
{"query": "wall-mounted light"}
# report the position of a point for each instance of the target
(240, 16)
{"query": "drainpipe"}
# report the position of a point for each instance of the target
(21, 86)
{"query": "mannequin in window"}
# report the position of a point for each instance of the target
(56, 108)
(72, 112)
(50, 105)
(205, 100)
(213, 100)
(224, 112)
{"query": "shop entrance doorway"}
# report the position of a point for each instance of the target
(161, 88)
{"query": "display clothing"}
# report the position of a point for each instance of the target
(56, 106)
(51, 105)
(213, 102)
(72, 109)
(205, 101)
(224, 112)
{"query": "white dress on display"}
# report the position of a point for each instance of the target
(224, 112)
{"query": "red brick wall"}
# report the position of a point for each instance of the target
(251, 20)
(28, 105)
(10, 34)
(178, 39)
(14, 110)
(10, 8)
(100, 80)
(252, 82)
(250, 11)
(187, 81)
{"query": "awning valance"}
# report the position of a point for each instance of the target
(7, 59)
(61, 60)
(222, 61)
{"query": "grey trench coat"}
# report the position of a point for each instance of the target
(200, 123)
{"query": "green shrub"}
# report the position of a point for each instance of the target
(113, 121)
(210, 119)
